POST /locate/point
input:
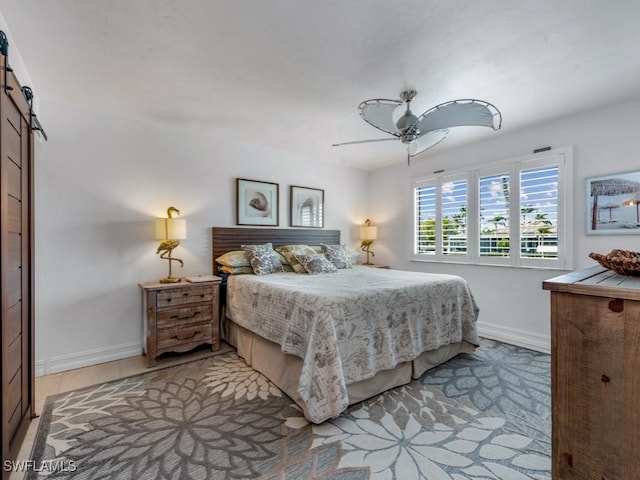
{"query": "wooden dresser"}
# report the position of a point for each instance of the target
(178, 317)
(595, 361)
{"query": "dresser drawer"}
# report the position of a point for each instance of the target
(169, 338)
(183, 296)
(183, 316)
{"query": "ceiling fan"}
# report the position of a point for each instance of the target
(430, 128)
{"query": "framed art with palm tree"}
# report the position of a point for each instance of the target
(613, 204)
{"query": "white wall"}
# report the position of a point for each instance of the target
(512, 304)
(100, 182)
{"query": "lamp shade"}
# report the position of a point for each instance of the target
(171, 228)
(368, 233)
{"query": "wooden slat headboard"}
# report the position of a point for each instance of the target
(227, 239)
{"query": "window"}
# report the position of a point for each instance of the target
(516, 212)
(441, 217)
(425, 197)
(454, 217)
(494, 192)
(539, 212)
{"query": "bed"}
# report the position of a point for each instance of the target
(329, 341)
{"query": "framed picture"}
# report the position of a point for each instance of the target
(613, 204)
(307, 207)
(256, 202)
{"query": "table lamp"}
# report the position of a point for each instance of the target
(170, 231)
(368, 234)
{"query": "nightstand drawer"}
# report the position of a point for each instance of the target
(181, 296)
(180, 317)
(168, 338)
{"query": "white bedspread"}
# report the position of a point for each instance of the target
(349, 325)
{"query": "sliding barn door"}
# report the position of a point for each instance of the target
(16, 164)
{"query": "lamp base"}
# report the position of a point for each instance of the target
(367, 263)
(170, 280)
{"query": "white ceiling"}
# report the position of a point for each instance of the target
(289, 74)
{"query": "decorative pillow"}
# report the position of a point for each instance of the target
(337, 255)
(263, 259)
(353, 254)
(316, 264)
(235, 270)
(282, 258)
(236, 258)
(290, 251)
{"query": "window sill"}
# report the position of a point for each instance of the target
(482, 264)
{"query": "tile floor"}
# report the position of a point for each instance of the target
(105, 372)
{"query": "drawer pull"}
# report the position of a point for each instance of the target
(616, 305)
(185, 317)
(186, 337)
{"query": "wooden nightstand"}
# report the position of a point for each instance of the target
(178, 317)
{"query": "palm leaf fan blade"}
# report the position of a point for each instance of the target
(379, 113)
(460, 113)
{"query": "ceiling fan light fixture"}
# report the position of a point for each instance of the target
(429, 129)
(409, 137)
(407, 122)
(426, 141)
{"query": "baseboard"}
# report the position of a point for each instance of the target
(514, 336)
(39, 368)
(63, 363)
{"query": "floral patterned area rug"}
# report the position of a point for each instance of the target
(483, 415)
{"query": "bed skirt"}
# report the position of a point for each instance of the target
(284, 369)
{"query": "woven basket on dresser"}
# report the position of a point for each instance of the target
(624, 262)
